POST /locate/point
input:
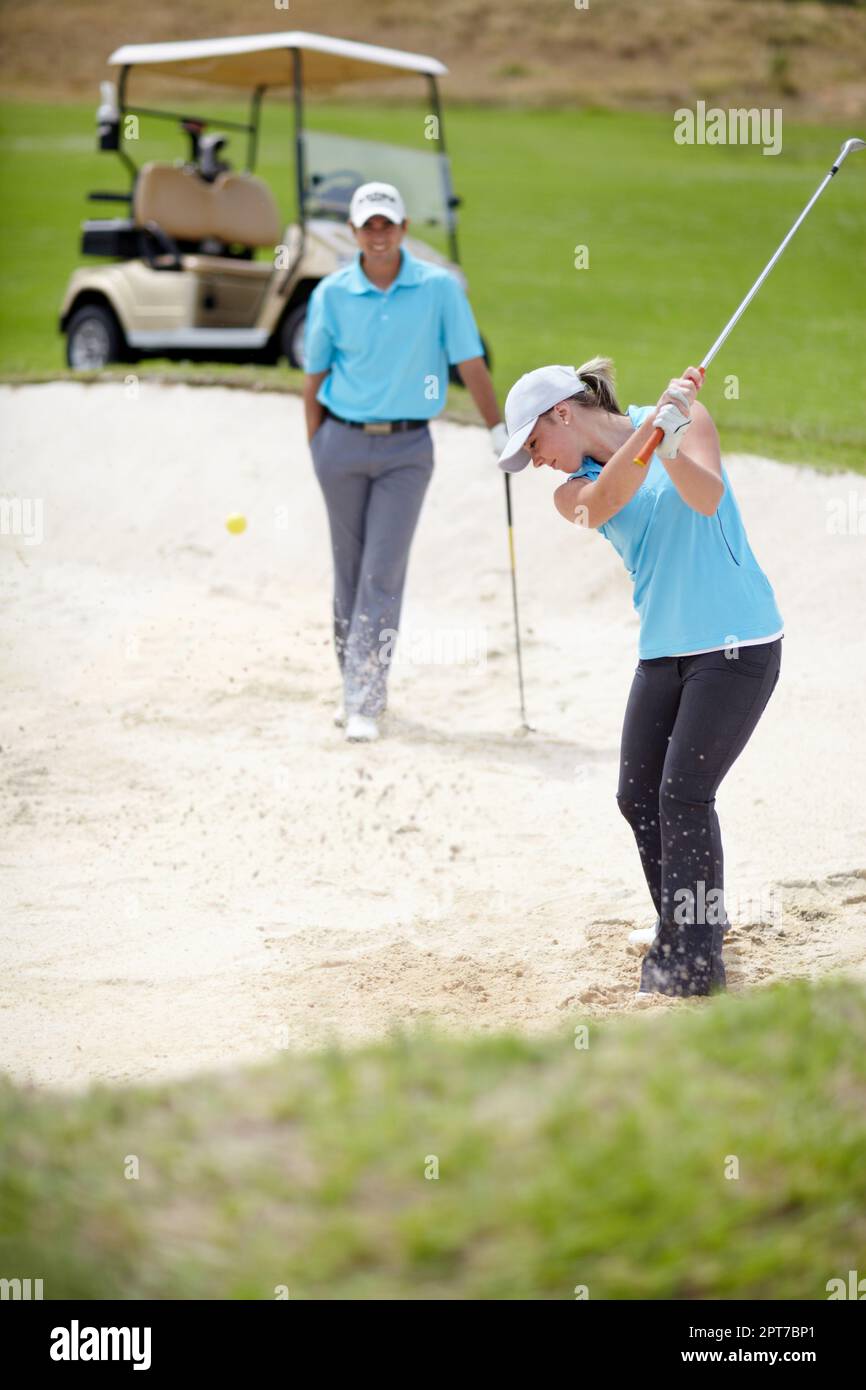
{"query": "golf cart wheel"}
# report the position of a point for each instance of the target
(93, 339)
(292, 335)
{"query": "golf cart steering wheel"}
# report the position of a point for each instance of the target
(332, 192)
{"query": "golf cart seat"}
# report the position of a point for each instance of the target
(184, 213)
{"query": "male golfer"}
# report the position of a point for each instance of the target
(381, 333)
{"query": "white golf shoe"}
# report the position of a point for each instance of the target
(340, 717)
(360, 729)
(644, 936)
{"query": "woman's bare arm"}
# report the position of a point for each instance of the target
(593, 502)
(697, 475)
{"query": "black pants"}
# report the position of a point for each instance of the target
(687, 720)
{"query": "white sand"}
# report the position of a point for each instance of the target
(197, 869)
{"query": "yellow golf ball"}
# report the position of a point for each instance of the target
(236, 524)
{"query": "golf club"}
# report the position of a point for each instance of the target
(644, 455)
(527, 728)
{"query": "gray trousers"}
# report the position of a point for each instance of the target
(374, 486)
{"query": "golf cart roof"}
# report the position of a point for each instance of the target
(254, 60)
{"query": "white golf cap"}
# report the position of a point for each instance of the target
(528, 398)
(376, 200)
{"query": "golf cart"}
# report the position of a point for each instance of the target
(183, 280)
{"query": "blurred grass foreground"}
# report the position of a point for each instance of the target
(712, 1151)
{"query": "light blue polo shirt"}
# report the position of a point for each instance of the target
(697, 583)
(387, 352)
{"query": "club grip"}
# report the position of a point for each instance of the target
(644, 455)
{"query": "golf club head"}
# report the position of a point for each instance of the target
(853, 144)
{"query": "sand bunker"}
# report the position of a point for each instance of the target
(198, 870)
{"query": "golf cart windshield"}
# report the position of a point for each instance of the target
(335, 165)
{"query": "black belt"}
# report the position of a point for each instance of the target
(378, 426)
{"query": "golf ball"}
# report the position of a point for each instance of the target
(236, 523)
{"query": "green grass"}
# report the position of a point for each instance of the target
(558, 1167)
(675, 235)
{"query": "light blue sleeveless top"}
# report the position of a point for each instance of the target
(696, 582)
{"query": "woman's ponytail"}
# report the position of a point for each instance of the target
(598, 374)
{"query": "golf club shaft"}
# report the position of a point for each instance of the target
(514, 595)
(644, 454)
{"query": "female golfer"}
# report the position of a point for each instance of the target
(710, 631)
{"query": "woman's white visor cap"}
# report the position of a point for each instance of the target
(528, 398)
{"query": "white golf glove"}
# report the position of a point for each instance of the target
(498, 438)
(671, 419)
